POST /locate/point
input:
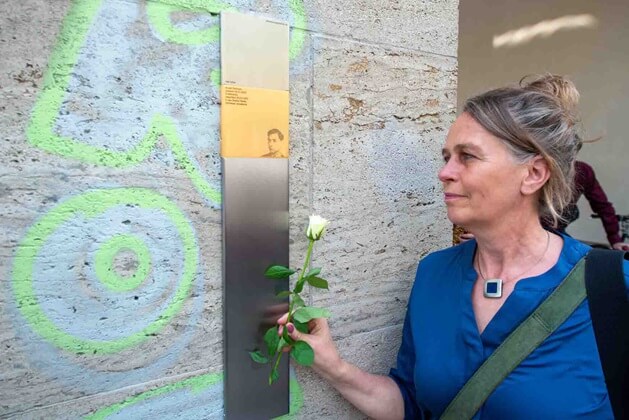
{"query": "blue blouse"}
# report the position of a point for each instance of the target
(442, 348)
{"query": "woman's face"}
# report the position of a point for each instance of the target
(481, 178)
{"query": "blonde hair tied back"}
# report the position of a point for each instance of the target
(558, 86)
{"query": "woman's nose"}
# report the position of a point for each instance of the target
(447, 171)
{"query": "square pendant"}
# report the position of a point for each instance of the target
(493, 288)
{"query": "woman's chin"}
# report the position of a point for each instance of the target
(456, 217)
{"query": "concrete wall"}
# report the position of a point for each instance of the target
(593, 55)
(111, 292)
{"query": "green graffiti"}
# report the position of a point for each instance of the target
(89, 205)
(104, 260)
(41, 134)
(197, 384)
(159, 16)
(215, 77)
(298, 37)
(40, 131)
(296, 400)
(169, 131)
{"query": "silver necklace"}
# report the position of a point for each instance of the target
(493, 287)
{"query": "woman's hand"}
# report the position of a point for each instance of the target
(327, 361)
(621, 246)
(377, 396)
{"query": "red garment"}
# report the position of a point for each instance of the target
(585, 183)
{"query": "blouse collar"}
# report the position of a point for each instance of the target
(571, 252)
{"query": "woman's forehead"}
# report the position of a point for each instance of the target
(466, 132)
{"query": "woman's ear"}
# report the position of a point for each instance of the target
(536, 175)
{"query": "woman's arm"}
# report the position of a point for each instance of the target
(377, 396)
(599, 203)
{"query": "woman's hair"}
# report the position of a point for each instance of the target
(538, 117)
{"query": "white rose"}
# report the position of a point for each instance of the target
(316, 227)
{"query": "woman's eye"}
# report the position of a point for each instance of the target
(466, 156)
(446, 158)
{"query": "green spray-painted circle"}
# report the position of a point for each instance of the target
(89, 205)
(104, 262)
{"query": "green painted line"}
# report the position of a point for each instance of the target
(166, 126)
(40, 131)
(159, 16)
(89, 205)
(298, 37)
(197, 384)
(104, 260)
(215, 77)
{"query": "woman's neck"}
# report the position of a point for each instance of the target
(505, 251)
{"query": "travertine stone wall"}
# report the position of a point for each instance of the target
(111, 292)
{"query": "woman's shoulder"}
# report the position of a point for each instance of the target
(573, 249)
(578, 249)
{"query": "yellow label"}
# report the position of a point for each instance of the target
(254, 122)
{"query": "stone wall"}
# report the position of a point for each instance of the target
(110, 178)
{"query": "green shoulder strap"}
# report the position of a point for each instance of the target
(549, 315)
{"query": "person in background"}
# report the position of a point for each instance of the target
(586, 184)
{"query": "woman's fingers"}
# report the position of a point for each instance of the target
(282, 319)
(293, 332)
(327, 358)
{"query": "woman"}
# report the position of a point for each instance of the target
(509, 162)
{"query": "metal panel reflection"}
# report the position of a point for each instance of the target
(255, 235)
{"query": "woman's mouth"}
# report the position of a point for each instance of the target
(452, 197)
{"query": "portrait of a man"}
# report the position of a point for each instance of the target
(275, 141)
